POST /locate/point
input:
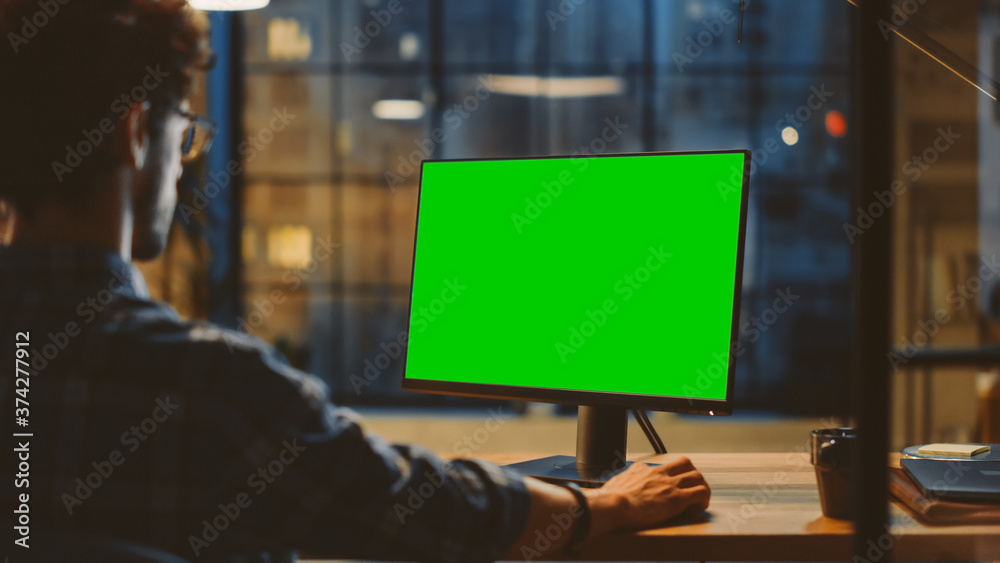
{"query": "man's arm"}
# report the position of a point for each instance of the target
(340, 492)
(639, 497)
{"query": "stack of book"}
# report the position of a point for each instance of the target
(949, 483)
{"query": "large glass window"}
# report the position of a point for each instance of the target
(377, 86)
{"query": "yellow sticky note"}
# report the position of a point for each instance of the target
(953, 449)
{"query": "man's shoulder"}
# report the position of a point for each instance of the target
(159, 322)
(152, 334)
(154, 322)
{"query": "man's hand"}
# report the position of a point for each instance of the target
(639, 497)
(644, 495)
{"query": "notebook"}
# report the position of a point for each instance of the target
(955, 480)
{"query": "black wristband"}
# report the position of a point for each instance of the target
(582, 515)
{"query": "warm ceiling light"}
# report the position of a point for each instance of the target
(558, 87)
(228, 5)
(789, 135)
(398, 109)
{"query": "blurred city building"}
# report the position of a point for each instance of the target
(344, 99)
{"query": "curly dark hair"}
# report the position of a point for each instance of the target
(69, 71)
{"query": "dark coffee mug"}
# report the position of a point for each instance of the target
(831, 450)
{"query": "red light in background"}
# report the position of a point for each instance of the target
(836, 123)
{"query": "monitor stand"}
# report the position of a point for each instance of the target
(601, 433)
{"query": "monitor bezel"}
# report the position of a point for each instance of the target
(595, 398)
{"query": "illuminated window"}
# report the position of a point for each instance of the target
(287, 40)
(289, 246)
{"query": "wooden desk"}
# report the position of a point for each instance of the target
(765, 507)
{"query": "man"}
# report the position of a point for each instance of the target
(147, 427)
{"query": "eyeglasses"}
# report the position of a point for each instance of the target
(198, 135)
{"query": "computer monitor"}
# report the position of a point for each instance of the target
(607, 281)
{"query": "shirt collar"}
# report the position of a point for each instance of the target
(66, 267)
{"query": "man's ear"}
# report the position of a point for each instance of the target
(137, 134)
(8, 221)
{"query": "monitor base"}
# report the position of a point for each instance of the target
(561, 468)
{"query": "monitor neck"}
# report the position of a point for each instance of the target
(601, 434)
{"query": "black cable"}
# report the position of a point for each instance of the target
(739, 29)
(649, 431)
(660, 446)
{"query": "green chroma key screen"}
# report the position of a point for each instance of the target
(612, 274)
